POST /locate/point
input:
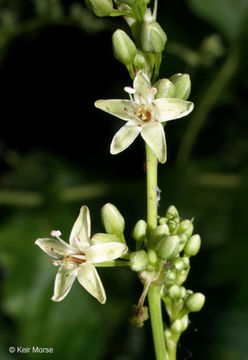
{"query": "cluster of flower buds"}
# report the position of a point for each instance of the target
(170, 247)
(142, 49)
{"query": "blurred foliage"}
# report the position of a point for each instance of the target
(53, 160)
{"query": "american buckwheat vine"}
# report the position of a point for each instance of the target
(163, 245)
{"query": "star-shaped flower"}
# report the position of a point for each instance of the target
(144, 114)
(77, 258)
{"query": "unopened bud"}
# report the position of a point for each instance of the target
(112, 220)
(158, 233)
(195, 302)
(138, 260)
(165, 89)
(193, 245)
(185, 321)
(174, 292)
(172, 212)
(186, 227)
(152, 257)
(171, 275)
(168, 247)
(182, 85)
(139, 231)
(153, 37)
(139, 61)
(100, 7)
(123, 47)
(179, 264)
(177, 326)
(101, 238)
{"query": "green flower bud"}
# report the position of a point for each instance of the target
(186, 227)
(152, 256)
(182, 276)
(179, 264)
(139, 61)
(100, 7)
(185, 322)
(174, 292)
(138, 260)
(177, 326)
(182, 85)
(139, 231)
(112, 220)
(153, 37)
(173, 226)
(168, 247)
(171, 275)
(193, 245)
(186, 261)
(123, 47)
(165, 89)
(172, 212)
(101, 238)
(158, 233)
(163, 220)
(195, 302)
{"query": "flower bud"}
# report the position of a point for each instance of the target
(172, 212)
(165, 89)
(152, 256)
(173, 226)
(101, 238)
(112, 220)
(177, 326)
(123, 47)
(195, 302)
(179, 264)
(153, 37)
(168, 247)
(100, 7)
(193, 245)
(139, 231)
(186, 227)
(138, 260)
(185, 322)
(139, 61)
(158, 233)
(174, 292)
(171, 275)
(182, 85)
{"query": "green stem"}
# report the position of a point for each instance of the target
(204, 107)
(151, 171)
(171, 344)
(154, 298)
(112, 263)
(155, 313)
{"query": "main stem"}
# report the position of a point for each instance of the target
(154, 298)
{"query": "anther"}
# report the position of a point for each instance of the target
(129, 90)
(56, 233)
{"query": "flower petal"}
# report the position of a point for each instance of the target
(80, 234)
(142, 86)
(123, 109)
(124, 137)
(90, 280)
(105, 252)
(63, 282)
(170, 109)
(153, 134)
(55, 248)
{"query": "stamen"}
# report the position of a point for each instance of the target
(56, 233)
(129, 90)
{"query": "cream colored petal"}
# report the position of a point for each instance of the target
(63, 282)
(171, 109)
(80, 234)
(153, 134)
(123, 109)
(142, 86)
(105, 252)
(55, 248)
(124, 137)
(90, 280)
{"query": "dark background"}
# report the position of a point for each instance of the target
(55, 61)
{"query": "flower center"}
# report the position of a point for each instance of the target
(80, 259)
(144, 114)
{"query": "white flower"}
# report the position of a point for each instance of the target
(77, 258)
(144, 115)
